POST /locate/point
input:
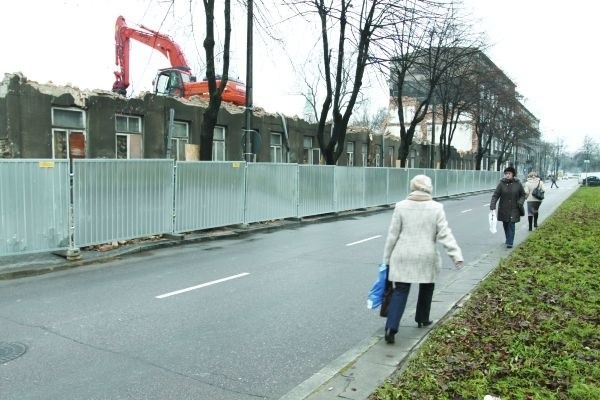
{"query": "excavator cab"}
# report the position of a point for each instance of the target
(170, 82)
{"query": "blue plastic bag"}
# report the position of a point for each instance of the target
(376, 292)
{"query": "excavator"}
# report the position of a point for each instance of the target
(176, 81)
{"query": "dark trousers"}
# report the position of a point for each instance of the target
(398, 304)
(509, 232)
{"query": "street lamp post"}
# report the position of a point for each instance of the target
(587, 163)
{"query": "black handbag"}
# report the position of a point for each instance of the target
(387, 296)
(386, 300)
(538, 192)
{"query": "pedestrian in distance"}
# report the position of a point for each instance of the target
(510, 196)
(533, 203)
(410, 251)
(553, 178)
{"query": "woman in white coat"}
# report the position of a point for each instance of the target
(418, 223)
(533, 203)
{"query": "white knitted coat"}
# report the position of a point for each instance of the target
(410, 248)
(531, 184)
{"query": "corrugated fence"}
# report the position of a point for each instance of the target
(126, 199)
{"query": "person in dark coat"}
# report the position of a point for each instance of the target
(510, 196)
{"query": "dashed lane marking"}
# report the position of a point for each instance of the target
(364, 240)
(162, 296)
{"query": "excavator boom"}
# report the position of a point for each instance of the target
(175, 81)
(149, 37)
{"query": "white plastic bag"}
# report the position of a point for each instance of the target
(493, 221)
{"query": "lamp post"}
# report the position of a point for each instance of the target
(587, 163)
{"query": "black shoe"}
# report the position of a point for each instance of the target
(389, 336)
(424, 324)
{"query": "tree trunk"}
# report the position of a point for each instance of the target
(206, 133)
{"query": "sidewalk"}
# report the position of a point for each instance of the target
(356, 374)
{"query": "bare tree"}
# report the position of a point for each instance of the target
(212, 111)
(488, 110)
(373, 120)
(590, 150)
(426, 47)
(545, 155)
(513, 130)
(348, 28)
(456, 93)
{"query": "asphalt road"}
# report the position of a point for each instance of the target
(231, 319)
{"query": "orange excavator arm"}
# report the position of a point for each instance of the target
(149, 37)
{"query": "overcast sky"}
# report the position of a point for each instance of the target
(547, 48)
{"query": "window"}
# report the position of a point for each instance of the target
(276, 148)
(365, 154)
(60, 145)
(179, 139)
(307, 144)
(218, 143)
(408, 113)
(310, 154)
(350, 153)
(377, 155)
(128, 143)
(68, 133)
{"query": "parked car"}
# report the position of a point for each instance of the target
(591, 181)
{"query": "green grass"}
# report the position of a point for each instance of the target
(531, 330)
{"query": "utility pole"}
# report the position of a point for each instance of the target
(248, 150)
(432, 158)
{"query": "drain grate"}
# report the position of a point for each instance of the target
(10, 351)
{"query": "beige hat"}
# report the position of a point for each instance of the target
(422, 183)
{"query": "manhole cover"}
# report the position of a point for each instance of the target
(10, 351)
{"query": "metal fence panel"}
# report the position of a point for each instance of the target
(397, 185)
(209, 194)
(121, 199)
(469, 181)
(315, 189)
(271, 191)
(34, 206)
(440, 188)
(349, 188)
(493, 179)
(376, 181)
(453, 182)
(412, 172)
(478, 178)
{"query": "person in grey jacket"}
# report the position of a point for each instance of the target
(418, 223)
(510, 196)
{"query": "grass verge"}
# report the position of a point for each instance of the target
(531, 330)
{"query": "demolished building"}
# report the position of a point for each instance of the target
(47, 121)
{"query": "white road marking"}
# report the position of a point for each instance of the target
(486, 205)
(364, 240)
(470, 209)
(162, 296)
